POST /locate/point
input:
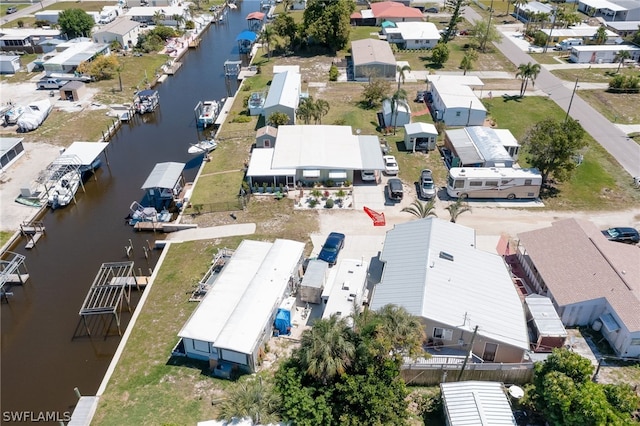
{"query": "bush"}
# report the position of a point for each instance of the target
(333, 73)
(190, 25)
(241, 119)
(540, 38)
(329, 183)
(328, 204)
(347, 182)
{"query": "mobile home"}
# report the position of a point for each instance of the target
(493, 182)
(602, 54)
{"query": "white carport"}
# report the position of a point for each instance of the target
(85, 154)
(260, 169)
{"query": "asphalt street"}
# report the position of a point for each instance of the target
(625, 150)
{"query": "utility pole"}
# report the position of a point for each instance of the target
(566, 118)
(553, 24)
(466, 359)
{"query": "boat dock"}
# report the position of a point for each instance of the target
(32, 231)
(165, 227)
(13, 271)
(224, 111)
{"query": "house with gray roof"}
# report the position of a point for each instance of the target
(611, 10)
(433, 269)
(284, 95)
(479, 146)
(591, 281)
(373, 59)
(124, 31)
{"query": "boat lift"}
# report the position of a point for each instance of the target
(13, 271)
(56, 170)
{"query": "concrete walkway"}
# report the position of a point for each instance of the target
(211, 232)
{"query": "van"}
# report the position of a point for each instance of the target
(568, 43)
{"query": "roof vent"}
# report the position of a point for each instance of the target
(350, 299)
(345, 285)
(352, 295)
(446, 256)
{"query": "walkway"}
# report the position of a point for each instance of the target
(211, 232)
(625, 150)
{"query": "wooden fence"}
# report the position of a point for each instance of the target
(433, 374)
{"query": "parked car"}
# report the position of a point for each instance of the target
(369, 175)
(394, 189)
(426, 186)
(50, 83)
(390, 165)
(420, 96)
(622, 235)
(384, 146)
(11, 9)
(432, 10)
(331, 248)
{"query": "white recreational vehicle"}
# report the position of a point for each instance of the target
(492, 182)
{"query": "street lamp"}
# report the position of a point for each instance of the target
(571, 100)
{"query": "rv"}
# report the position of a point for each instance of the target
(492, 182)
(568, 43)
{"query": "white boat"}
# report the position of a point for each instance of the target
(11, 116)
(208, 112)
(139, 213)
(64, 190)
(34, 115)
(146, 101)
(202, 147)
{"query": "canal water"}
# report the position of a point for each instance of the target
(45, 351)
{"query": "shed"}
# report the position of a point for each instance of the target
(420, 136)
(373, 59)
(266, 137)
(399, 117)
(10, 150)
(479, 146)
(73, 91)
(313, 281)
(163, 184)
(9, 64)
(284, 95)
(476, 403)
(547, 330)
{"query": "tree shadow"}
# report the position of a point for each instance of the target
(507, 98)
(549, 191)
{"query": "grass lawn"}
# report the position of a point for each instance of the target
(5, 236)
(616, 107)
(29, 21)
(593, 75)
(599, 183)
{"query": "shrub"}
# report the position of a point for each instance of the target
(333, 73)
(330, 183)
(347, 182)
(340, 122)
(241, 119)
(328, 204)
(340, 194)
(190, 25)
(313, 202)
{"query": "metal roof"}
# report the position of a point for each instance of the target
(476, 404)
(260, 164)
(418, 30)
(456, 95)
(465, 149)
(119, 26)
(284, 90)
(577, 31)
(347, 288)
(164, 175)
(7, 144)
(370, 153)
(247, 35)
(372, 51)
(316, 274)
(420, 128)
(86, 152)
(603, 4)
(433, 269)
(489, 143)
(544, 316)
(323, 147)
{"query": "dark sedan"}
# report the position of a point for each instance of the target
(622, 235)
(331, 248)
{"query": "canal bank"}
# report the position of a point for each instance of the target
(43, 359)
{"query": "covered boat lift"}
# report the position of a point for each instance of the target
(13, 271)
(245, 41)
(86, 154)
(164, 184)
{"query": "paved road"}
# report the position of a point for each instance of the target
(625, 150)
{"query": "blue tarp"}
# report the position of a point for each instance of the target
(247, 35)
(283, 321)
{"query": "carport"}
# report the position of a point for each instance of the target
(260, 171)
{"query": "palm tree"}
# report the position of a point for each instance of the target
(179, 20)
(157, 17)
(252, 397)
(306, 110)
(266, 36)
(600, 36)
(622, 55)
(420, 209)
(402, 331)
(518, 4)
(401, 70)
(327, 349)
(398, 98)
(508, 4)
(457, 208)
(467, 60)
(526, 72)
(321, 108)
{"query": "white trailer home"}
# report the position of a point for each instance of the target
(602, 54)
(9, 64)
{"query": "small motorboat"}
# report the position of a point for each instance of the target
(208, 112)
(202, 147)
(64, 190)
(139, 213)
(12, 114)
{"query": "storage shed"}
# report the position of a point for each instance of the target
(476, 403)
(266, 137)
(314, 280)
(73, 91)
(546, 328)
(398, 117)
(9, 64)
(420, 136)
(373, 59)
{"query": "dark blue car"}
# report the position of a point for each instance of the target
(331, 248)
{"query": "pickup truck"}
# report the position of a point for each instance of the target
(50, 83)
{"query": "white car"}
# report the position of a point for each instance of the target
(368, 175)
(390, 165)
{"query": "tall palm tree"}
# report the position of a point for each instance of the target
(526, 72)
(467, 60)
(399, 98)
(621, 56)
(327, 349)
(306, 110)
(457, 208)
(402, 331)
(518, 4)
(600, 36)
(266, 36)
(420, 209)
(401, 70)
(251, 397)
(321, 108)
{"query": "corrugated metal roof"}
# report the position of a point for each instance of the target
(418, 30)
(456, 95)
(475, 285)
(255, 309)
(370, 152)
(464, 147)
(420, 128)
(544, 316)
(371, 51)
(476, 404)
(164, 175)
(284, 90)
(578, 264)
(87, 152)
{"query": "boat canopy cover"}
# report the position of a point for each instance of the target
(87, 152)
(164, 175)
(255, 15)
(247, 35)
(147, 93)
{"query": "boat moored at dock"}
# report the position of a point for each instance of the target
(146, 101)
(202, 147)
(207, 112)
(64, 190)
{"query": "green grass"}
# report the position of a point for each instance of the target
(593, 75)
(5, 236)
(29, 21)
(599, 183)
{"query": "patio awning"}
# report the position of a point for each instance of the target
(311, 173)
(337, 174)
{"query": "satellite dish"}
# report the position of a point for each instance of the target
(516, 392)
(358, 131)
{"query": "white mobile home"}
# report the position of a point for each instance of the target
(479, 146)
(236, 316)
(602, 54)
(455, 103)
(9, 64)
(348, 289)
(412, 35)
(284, 95)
